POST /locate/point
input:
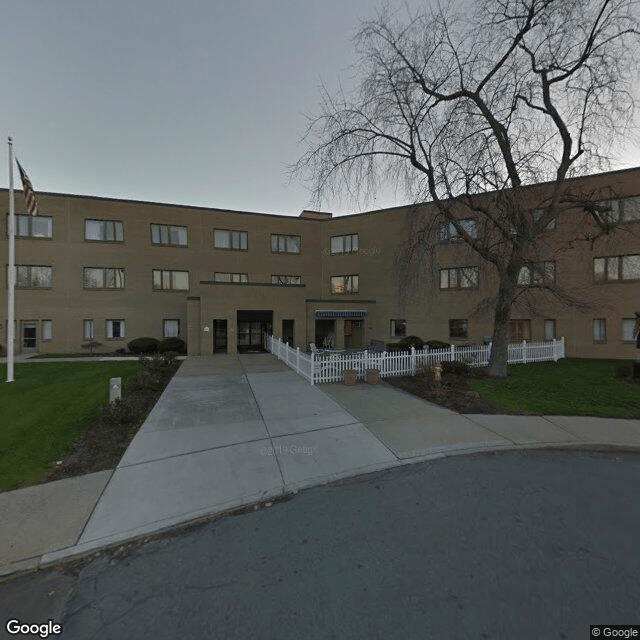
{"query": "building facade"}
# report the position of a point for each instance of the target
(108, 270)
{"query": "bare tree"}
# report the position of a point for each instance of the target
(468, 110)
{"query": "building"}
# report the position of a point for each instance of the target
(110, 270)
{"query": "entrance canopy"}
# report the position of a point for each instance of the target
(339, 314)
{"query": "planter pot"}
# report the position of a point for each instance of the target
(350, 377)
(373, 376)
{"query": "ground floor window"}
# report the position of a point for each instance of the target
(549, 329)
(519, 330)
(398, 328)
(458, 328)
(171, 328)
(599, 330)
(115, 329)
(628, 325)
(88, 330)
(47, 330)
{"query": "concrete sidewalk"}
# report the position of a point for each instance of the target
(233, 430)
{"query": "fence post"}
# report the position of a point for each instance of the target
(413, 361)
(453, 353)
(555, 353)
(298, 359)
(313, 369)
(524, 352)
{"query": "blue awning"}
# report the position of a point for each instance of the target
(340, 314)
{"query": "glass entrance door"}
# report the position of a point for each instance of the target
(29, 336)
(220, 336)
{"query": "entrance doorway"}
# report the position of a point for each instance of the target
(220, 336)
(353, 334)
(287, 332)
(325, 333)
(253, 327)
(29, 337)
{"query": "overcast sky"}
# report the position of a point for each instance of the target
(193, 102)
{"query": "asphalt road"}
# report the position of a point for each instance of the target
(537, 544)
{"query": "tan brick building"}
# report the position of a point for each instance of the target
(113, 270)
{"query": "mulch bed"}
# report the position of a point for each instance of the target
(453, 392)
(104, 441)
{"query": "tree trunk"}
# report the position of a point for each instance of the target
(499, 349)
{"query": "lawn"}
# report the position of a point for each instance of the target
(45, 410)
(570, 387)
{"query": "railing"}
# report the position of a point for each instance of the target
(323, 366)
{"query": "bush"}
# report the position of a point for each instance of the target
(457, 368)
(143, 345)
(437, 344)
(623, 370)
(172, 344)
(412, 341)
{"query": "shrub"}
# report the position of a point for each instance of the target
(143, 345)
(412, 341)
(437, 344)
(456, 367)
(623, 370)
(172, 344)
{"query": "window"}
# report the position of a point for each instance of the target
(33, 277)
(165, 280)
(538, 274)
(286, 280)
(232, 240)
(631, 209)
(115, 329)
(615, 268)
(103, 230)
(550, 330)
(47, 330)
(459, 278)
(344, 244)
(88, 332)
(538, 213)
(285, 244)
(230, 277)
(344, 284)
(628, 325)
(448, 233)
(458, 328)
(398, 328)
(599, 330)
(520, 330)
(103, 278)
(171, 328)
(169, 235)
(33, 226)
(613, 211)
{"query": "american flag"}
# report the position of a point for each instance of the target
(29, 193)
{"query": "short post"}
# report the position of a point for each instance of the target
(298, 359)
(524, 352)
(115, 389)
(313, 368)
(453, 353)
(555, 352)
(437, 371)
(413, 361)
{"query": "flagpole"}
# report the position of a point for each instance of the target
(11, 272)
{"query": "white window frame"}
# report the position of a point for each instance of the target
(166, 334)
(109, 329)
(88, 329)
(46, 330)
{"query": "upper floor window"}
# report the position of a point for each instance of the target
(459, 278)
(286, 280)
(34, 226)
(231, 277)
(448, 233)
(104, 230)
(615, 268)
(169, 235)
(345, 284)
(166, 280)
(344, 244)
(33, 277)
(285, 244)
(234, 240)
(103, 278)
(621, 210)
(537, 274)
(519, 330)
(538, 213)
(458, 328)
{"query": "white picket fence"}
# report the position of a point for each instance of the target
(330, 366)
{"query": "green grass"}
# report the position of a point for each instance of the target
(45, 409)
(569, 387)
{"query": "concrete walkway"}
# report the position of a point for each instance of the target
(234, 430)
